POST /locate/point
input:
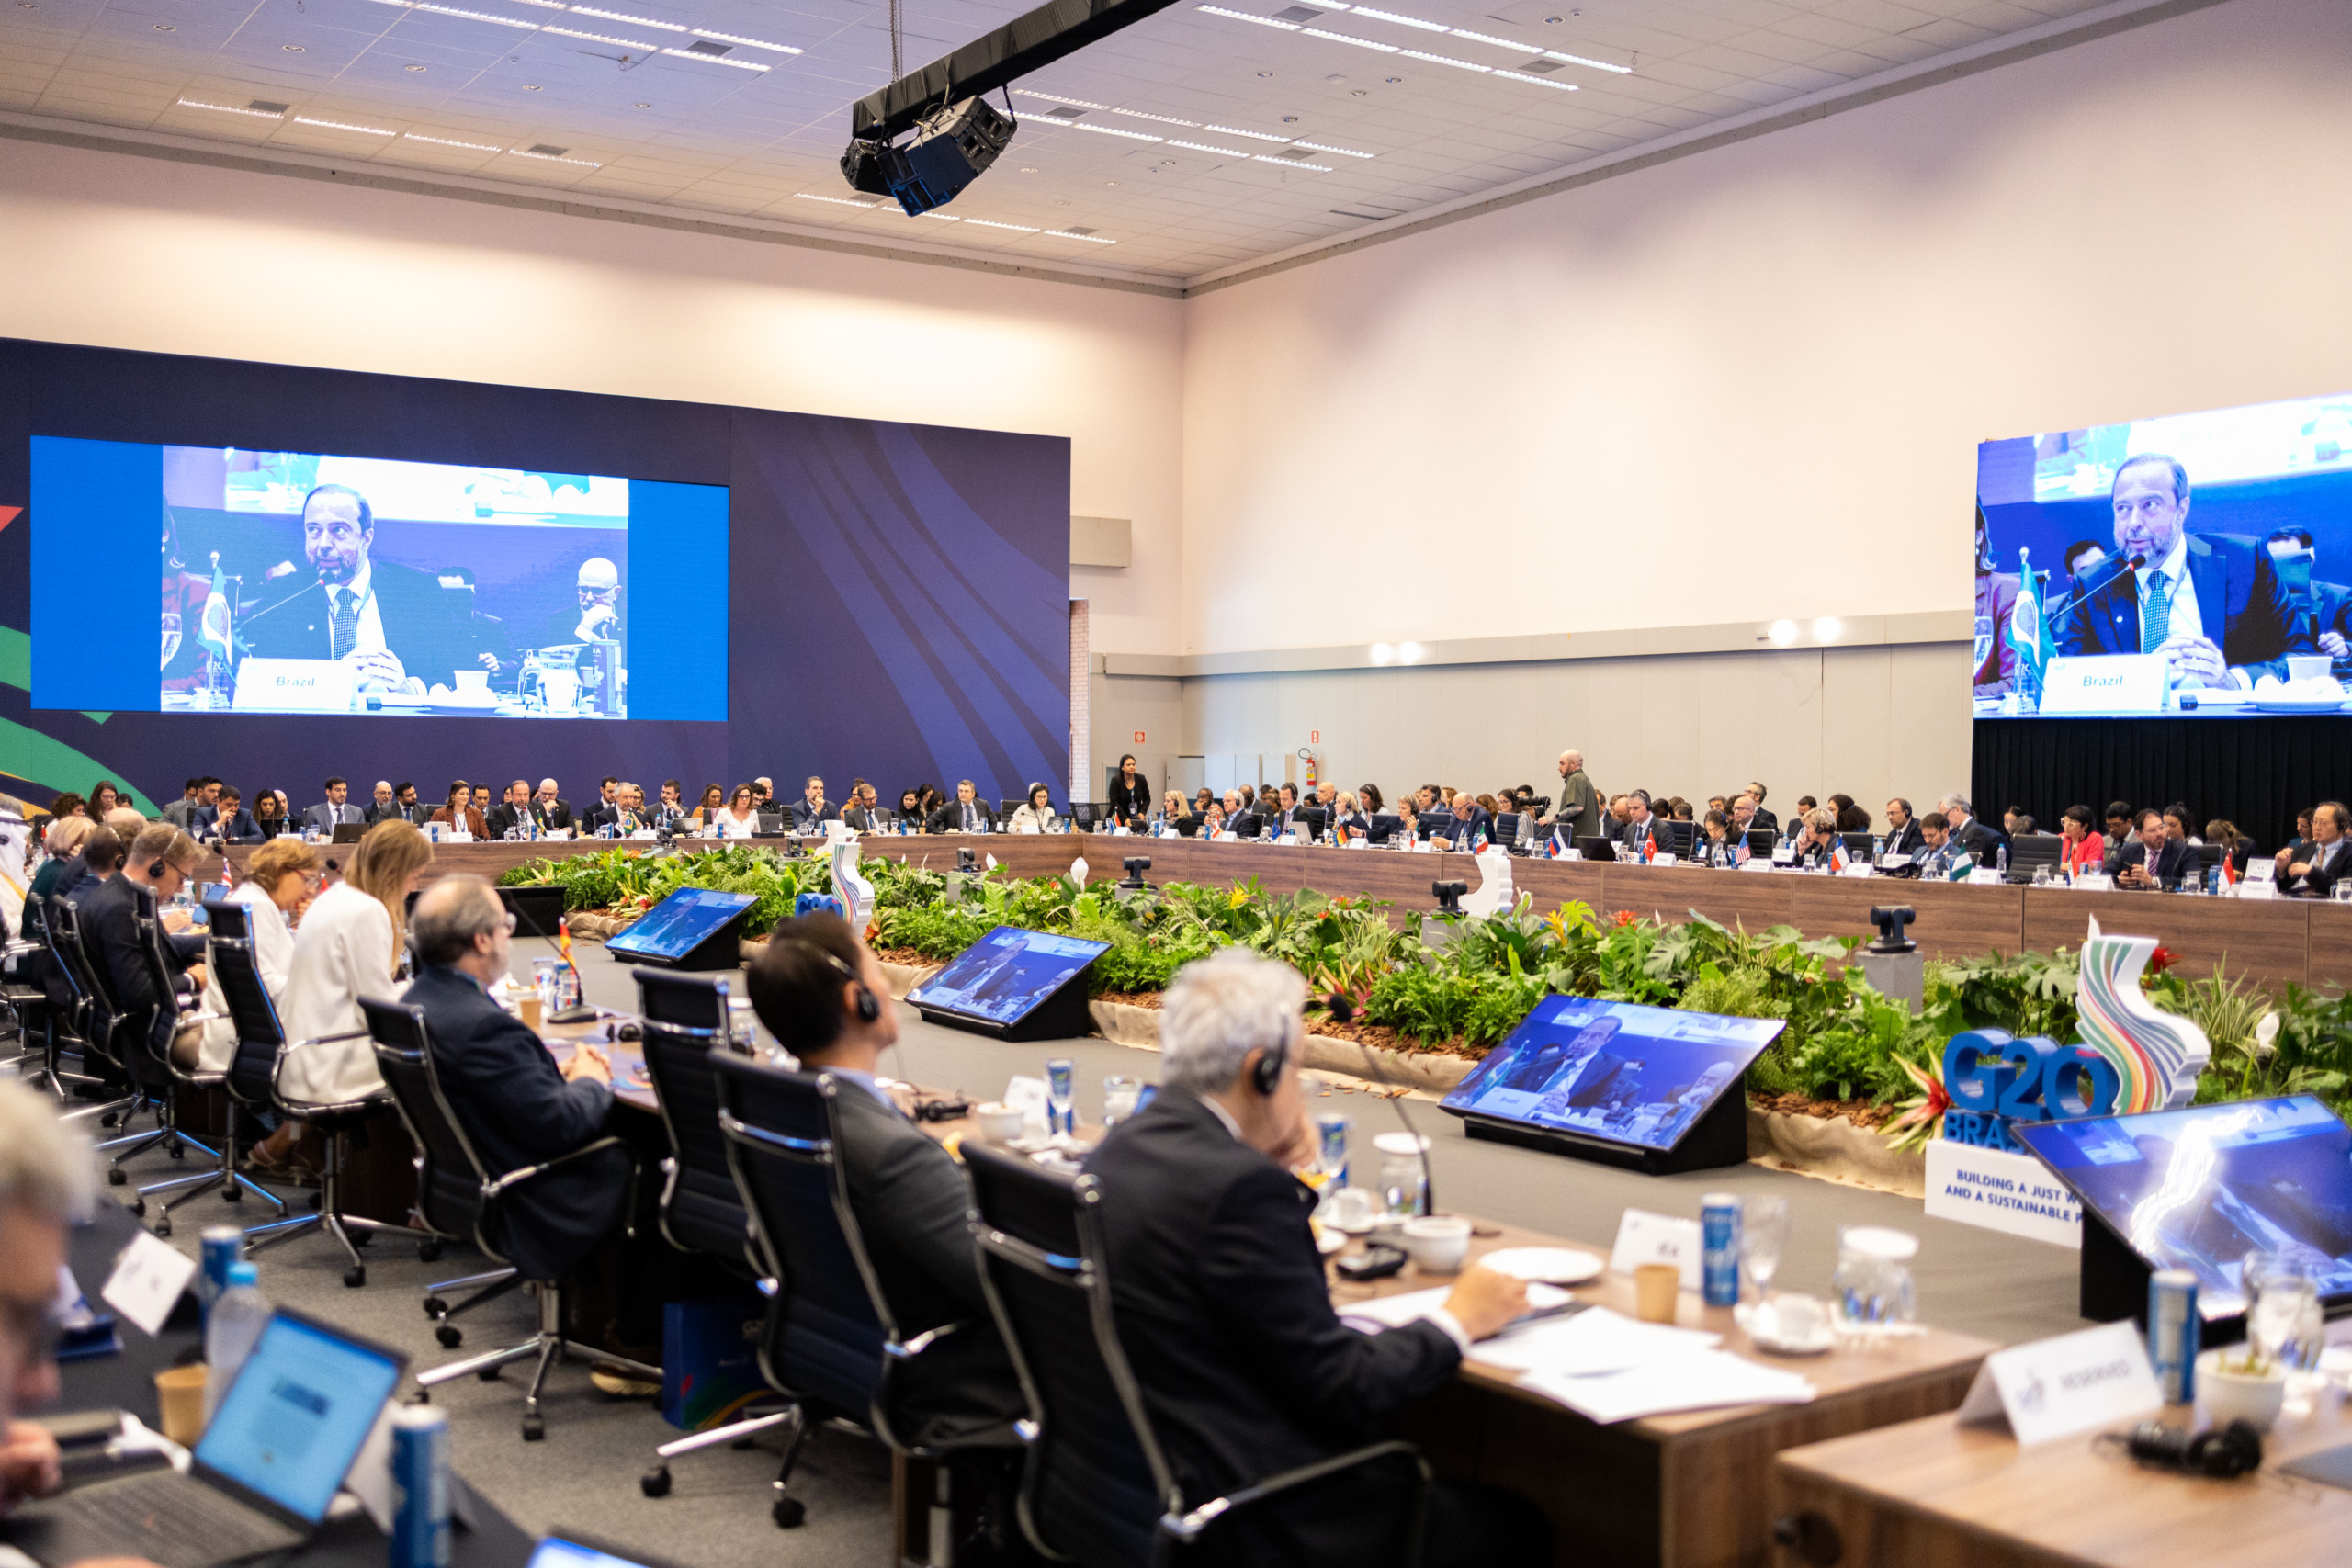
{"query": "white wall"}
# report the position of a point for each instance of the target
(129, 252)
(1777, 358)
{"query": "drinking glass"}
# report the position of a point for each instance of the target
(1061, 1083)
(1763, 1236)
(2283, 1322)
(1119, 1096)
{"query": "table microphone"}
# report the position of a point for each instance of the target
(1342, 1008)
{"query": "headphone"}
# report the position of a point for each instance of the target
(156, 871)
(2222, 1452)
(1268, 1074)
(867, 1007)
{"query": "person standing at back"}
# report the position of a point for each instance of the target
(1220, 1297)
(1578, 811)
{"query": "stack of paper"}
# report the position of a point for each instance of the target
(1698, 1382)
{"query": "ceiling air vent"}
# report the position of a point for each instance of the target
(1299, 13)
(1542, 67)
(704, 46)
(263, 105)
(544, 151)
(1063, 112)
(1074, 229)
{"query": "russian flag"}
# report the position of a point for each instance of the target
(1555, 849)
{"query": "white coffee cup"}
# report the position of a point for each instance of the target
(473, 680)
(2309, 667)
(1436, 1243)
(1353, 1210)
(999, 1123)
(1797, 1319)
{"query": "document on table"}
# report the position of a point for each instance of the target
(1700, 1381)
(1394, 1312)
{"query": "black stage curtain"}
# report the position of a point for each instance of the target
(2257, 772)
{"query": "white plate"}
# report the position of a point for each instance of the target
(2296, 704)
(1546, 1265)
(1329, 1239)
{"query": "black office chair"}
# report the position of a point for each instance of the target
(108, 1032)
(174, 1079)
(254, 1078)
(456, 1177)
(1679, 837)
(684, 1021)
(831, 1341)
(1099, 1488)
(73, 1005)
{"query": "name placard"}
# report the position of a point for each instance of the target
(2055, 1388)
(2000, 1192)
(2104, 683)
(294, 685)
(1643, 1238)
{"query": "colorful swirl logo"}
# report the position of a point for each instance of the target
(2155, 1054)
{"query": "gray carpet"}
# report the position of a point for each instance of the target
(584, 1475)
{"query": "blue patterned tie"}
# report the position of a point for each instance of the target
(343, 621)
(2157, 624)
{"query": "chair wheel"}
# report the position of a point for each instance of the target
(233, 1194)
(178, 1151)
(435, 1308)
(111, 1119)
(655, 1482)
(116, 1177)
(450, 1336)
(361, 1239)
(488, 1374)
(163, 1225)
(789, 1513)
(422, 1396)
(355, 1276)
(139, 1206)
(534, 1428)
(429, 1250)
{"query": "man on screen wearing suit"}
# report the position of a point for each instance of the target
(2213, 604)
(1588, 1075)
(396, 624)
(335, 810)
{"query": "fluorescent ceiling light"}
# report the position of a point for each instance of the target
(1162, 119)
(1111, 130)
(1057, 98)
(604, 37)
(1340, 152)
(1017, 228)
(633, 21)
(1246, 17)
(1090, 238)
(1416, 22)
(341, 125)
(1342, 38)
(1293, 163)
(718, 60)
(445, 141)
(1536, 81)
(472, 16)
(837, 200)
(1205, 147)
(1408, 21)
(229, 109)
(555, 158)
(1381, 653)
(1408, 652)
(1596, 64)
(1445, 60)
(1254, 135)
(755, 43)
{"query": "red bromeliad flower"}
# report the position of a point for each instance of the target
(2161, 960)
(1626, 917)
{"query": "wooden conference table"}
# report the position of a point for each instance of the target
(1931, 1493)
(2271, 942)
(1683, 1491)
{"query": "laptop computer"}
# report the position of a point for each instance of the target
(268, 1464)
(349, 832)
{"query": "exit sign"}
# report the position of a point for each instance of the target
(1139, 737)
(1315, 738)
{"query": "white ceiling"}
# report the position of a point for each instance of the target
(468, 87)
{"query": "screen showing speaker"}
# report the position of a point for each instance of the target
(331, 583)
(1618, 1071)
(1008, 972)
(680, 923)
(2202, 1187)
(2195, 564)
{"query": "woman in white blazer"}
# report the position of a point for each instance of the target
(279, 879)
(349, 947)
(1036, 814)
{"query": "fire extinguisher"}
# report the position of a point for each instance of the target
(1311, 781)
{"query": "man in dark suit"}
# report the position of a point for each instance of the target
(2316, 867)
(813, 810)
(512, 1099)
(1240, 821)
(1982, 841)
(181, 813)
(1285, 812)
(1642, 827)
(511, 813)
(1220, 1297)
(231, 822)
(399, 627)
(553, 813)
(813, 984)
(2154, 859)
(2215, 604)
(162, 861)
(604, 811)
(383, 806)
(1903, 835)
(1588, 1075)
(1763, 819)
(335, 810)
(862, 813)
(965, 813)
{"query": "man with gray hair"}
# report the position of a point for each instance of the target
(1965, 832)
(45, 1186)
(1220, 1295)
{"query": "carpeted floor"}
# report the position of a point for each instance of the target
(584, 1475)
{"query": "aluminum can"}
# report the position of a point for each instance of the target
(2173, 1333)
(1331, 1147)
(420, 1486)
(222, 1244)
(1719, 1248)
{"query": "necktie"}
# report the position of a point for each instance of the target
(343, 621)
(2156, 624)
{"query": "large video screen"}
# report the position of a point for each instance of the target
(1008, 972)
(2202, 1187)
(1630, 1074)
(2196, 564)
(327, 583)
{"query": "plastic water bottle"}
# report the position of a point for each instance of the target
(1878, 849)
(2001, 859)
(229, 1333)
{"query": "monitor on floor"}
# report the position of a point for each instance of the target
(1008, 972)
(1618, 1071)
(680, 923)
(2202, 1187)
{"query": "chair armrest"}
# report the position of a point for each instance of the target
(1184, 1528)
(515, 1177)
(278, 1072)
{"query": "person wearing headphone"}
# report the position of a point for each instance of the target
(1221, 1300)
(822, 995)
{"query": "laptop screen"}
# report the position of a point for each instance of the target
(293, 1421)
(557, 1552)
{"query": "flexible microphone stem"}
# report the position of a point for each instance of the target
(1343, 1010)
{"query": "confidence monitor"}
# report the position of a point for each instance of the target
(1651, 1089)
(1014, 984)
(2198, 1189)
(695, 928)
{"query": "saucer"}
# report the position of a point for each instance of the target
(1546, 1265)
(1762, 1329)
